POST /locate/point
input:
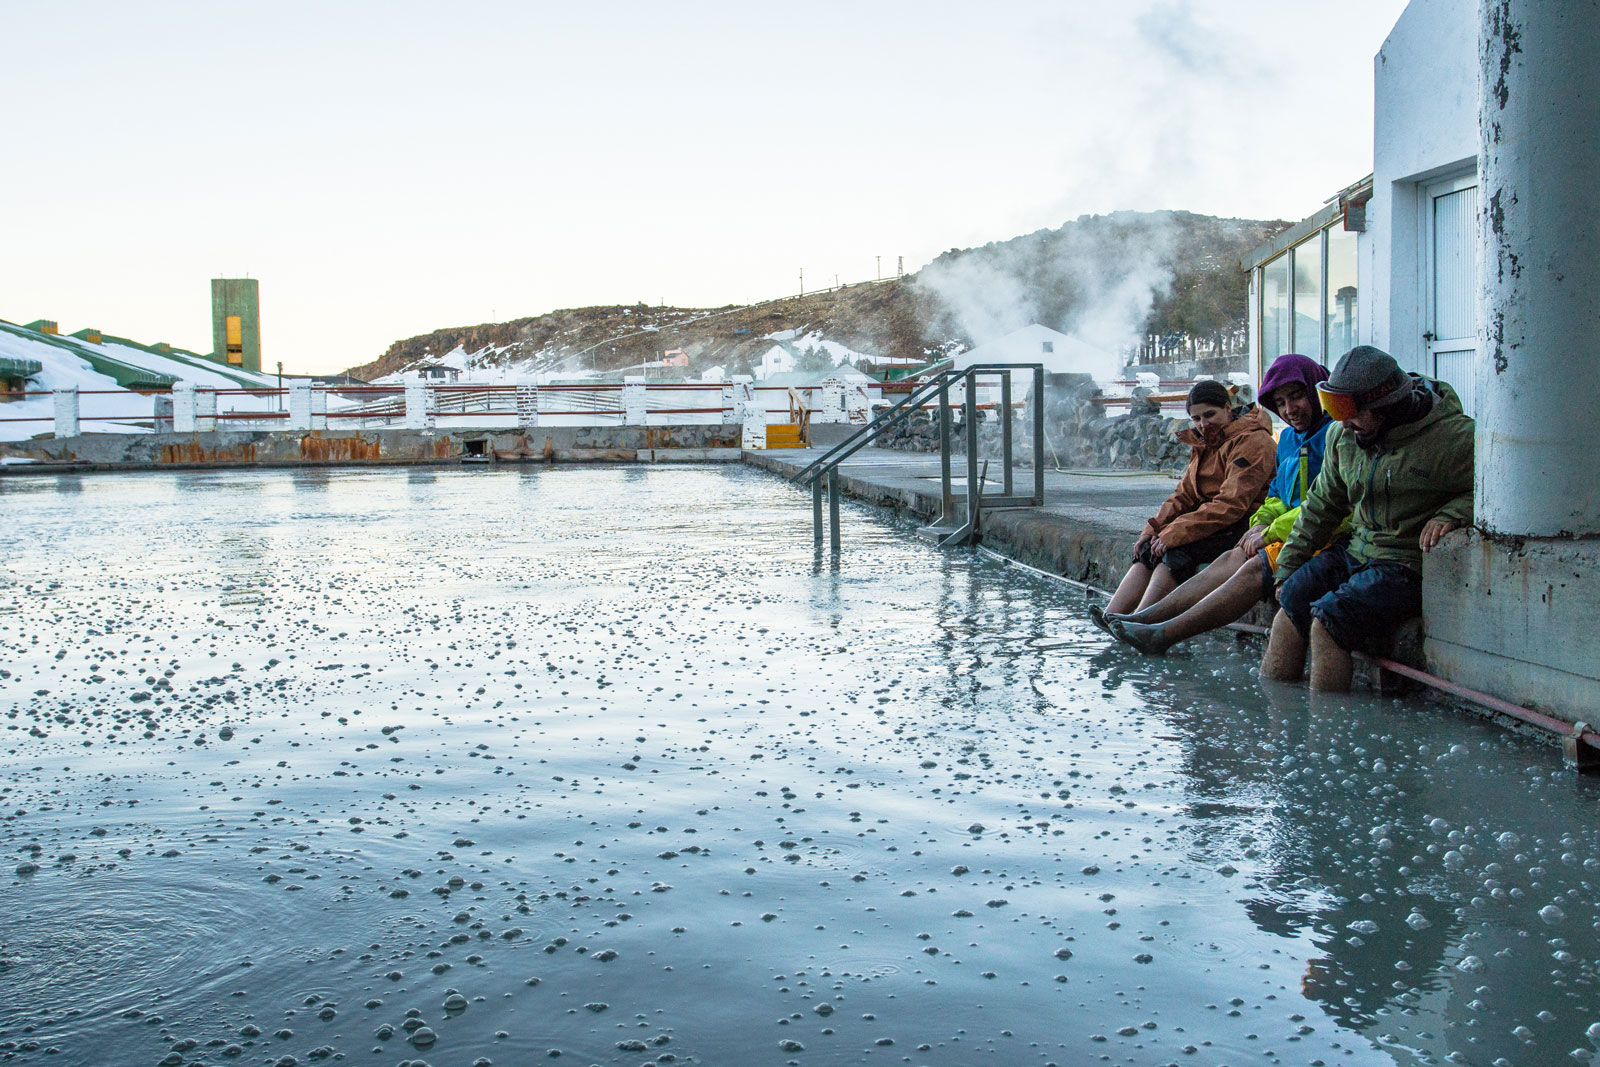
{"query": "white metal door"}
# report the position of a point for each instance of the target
(1451, 281)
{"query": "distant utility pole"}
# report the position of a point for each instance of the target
(900, 271)
(802, 281)
(880, 267)
(836, 281)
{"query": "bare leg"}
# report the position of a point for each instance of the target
(1285, 658)
(1331, 666)
(1162, 582)
(1132, 587)
(1193, 591)
(1221, 606)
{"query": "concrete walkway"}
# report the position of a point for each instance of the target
(1085, 530)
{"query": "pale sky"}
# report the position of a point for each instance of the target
(389, 168)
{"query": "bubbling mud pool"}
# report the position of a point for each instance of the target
(603, 766)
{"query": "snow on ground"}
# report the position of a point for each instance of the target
(840, 353)
(782, 357)
(477, 368)
(63, 369)
(185, 370)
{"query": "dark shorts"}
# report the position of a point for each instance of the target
(1185, 560)
(1358, 604)
(1263, 563)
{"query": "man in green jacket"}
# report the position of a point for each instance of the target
(1400, 465)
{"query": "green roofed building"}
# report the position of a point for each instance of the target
(14, 373)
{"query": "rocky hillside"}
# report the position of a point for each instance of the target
(1152, 284)
(883, 319)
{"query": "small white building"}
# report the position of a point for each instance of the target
(436, 372)
(1059, 352)
(775, 360)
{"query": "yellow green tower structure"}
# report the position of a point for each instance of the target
(236, 322)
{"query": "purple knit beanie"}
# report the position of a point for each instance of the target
(1289, 368)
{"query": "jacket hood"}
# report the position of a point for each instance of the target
(1292, 367)
(1445, 404)
(1245, 422)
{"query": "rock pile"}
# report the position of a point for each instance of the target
(1078, 434)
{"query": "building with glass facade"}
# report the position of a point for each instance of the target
(1304, 288)
(1393, 260)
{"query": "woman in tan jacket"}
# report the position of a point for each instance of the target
(1226, 480)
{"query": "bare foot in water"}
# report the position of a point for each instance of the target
(1151, 639)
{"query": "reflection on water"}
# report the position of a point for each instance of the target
(243, 569)
(605, 762)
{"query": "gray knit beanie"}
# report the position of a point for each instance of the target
(1372, 376)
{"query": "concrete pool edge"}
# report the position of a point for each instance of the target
(1088, 546)
(231, 449)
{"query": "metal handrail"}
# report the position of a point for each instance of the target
(800, 415)
(976, 502)
(888, 417)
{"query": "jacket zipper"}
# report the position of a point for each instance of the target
(1372, 488)
(1305, 468)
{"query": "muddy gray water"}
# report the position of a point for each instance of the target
(601, 766)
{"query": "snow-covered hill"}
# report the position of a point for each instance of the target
(102, 373)
(771, 353)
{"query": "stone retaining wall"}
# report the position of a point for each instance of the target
(295, 448)
(1079, 435)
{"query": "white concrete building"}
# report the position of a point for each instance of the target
(1391, 260)
(1421, 245)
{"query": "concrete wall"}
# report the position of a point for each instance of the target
(1511, 606)
(1425, 128)
(1514, 618)
(557, 444)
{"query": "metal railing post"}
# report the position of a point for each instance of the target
(1038, 436)
(974, 487)
(833, 508)
(950, 530)
(947, 502)
(816, 511)
(1005, 431)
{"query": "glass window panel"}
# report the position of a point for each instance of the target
(1274, 309)
(1343, 309)
(1307, 338)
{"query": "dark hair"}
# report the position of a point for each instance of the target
(1209, 392)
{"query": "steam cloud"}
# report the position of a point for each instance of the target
(1095, 280)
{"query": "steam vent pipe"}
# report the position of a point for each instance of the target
(1539, 376)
